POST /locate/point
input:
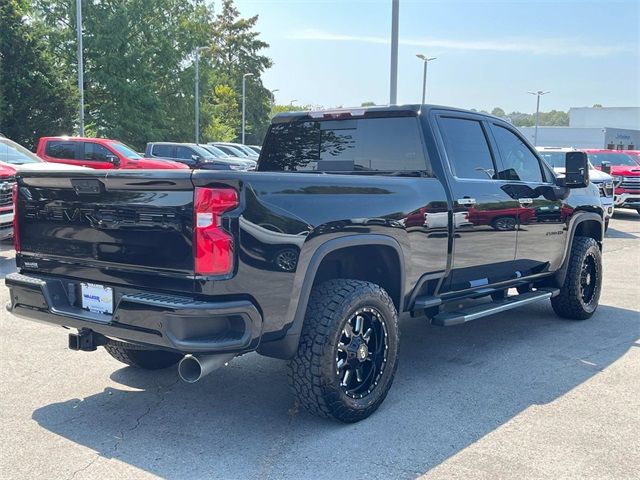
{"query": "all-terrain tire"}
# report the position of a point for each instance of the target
(314, 372)
(580, 293)
(141, 357)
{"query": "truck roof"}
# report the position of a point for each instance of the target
(373, 111)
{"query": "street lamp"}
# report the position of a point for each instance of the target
(538, 94)
(80, 65)
(244, 100)
(273, 95)
(426, 61)
(291, 102)
(393, 70)
(198, 50)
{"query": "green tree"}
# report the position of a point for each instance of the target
(36, 96)
(498, 112)
(368, 104)
(223, 115)
(237, 50)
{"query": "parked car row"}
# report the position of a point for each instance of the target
(615, 172)
(84, 153)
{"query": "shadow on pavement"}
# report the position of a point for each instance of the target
(454, 385)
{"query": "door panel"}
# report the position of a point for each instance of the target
(542, 217)
(485, 217)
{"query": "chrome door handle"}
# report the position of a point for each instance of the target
(525, 201)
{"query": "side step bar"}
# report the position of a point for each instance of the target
(446, 319)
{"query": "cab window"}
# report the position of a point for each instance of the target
(61, 149)
(518, 161)
(467, 148)
(95, 152)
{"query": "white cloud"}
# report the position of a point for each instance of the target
(538, 46)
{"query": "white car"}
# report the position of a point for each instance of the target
(555, 157)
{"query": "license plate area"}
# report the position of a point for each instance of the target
(96, 298)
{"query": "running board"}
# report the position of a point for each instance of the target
(446, 319)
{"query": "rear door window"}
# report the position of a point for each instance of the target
(94, 152)
(167, 151)
(61, 149)
(367, 145)
(467, 148)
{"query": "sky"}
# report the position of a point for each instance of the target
(489, 53)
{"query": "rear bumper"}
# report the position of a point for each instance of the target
(177, 323)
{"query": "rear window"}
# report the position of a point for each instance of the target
(61, 149)
(369, 144)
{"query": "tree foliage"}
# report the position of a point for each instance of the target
(139, 67)
(554, 118)
(36, 97)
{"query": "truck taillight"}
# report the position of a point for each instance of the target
(16, 231)
(213, 246)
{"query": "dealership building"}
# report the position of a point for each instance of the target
(605, 127)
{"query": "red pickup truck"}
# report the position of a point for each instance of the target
(626, 174)
(100, 153)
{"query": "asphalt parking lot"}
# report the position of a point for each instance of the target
(518, 395)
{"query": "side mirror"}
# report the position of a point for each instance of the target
(114, 160)
(196, 158)
(606, 167)
(576, 170)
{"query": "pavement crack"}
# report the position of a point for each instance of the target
(82, 469)
(161, 392)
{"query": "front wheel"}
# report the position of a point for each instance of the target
(348, 350)
(580, 293)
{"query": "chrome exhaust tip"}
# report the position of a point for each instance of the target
(193, 368)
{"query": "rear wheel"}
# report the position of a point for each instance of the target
(348, 350)
(580, 293)
(141, 357)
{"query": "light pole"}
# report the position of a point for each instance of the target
(244, 100)
(291, 102)
(393, 81)
(426, 61)
(538, 94)
(80, 65)
(273, 96)
(197, 100)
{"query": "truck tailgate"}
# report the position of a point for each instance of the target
(119, 227)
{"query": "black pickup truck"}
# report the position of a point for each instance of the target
(353, 217)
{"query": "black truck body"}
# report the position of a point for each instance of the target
(430, 204)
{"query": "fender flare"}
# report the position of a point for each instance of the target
(577, 219)
(286, 347)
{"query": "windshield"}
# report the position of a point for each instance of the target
(216, 151)
(231, 151)
(246, 150)
(125, 150)
(554, 159)
(613, 159)
(203, 152)
(15, 154)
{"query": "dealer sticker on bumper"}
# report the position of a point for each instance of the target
(97, 298)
